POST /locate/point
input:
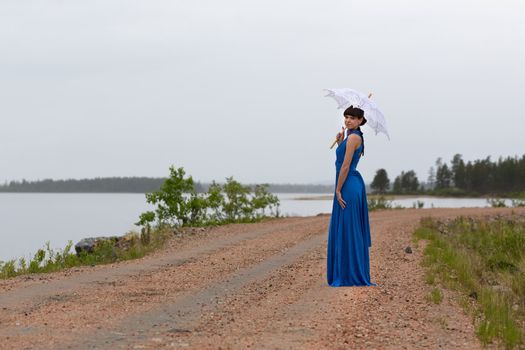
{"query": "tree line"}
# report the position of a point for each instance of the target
(506, 176)
(135, 185)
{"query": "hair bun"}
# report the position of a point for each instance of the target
(354, 111)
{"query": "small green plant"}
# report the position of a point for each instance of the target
(380, 202)
(496, 202)
(442, 322)
(430, 278)
(418, 204)
(518, 203)
(7, 269)
(145, 220)
(435, 295)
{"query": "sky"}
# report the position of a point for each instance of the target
(235, 88)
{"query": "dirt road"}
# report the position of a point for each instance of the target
(242, 286)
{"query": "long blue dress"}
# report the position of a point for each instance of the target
(348, 262)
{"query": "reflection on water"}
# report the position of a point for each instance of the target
(30, 219)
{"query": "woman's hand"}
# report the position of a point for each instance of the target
(340, 199)
(340, 136)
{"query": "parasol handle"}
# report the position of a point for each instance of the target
(335, 141)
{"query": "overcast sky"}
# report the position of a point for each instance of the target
(234, 88)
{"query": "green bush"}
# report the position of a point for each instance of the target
(418, 204)
(236, 204)
(172, 205)
(178, 203)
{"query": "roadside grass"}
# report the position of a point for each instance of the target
(484, 260)
(137, 245)
(48, 260)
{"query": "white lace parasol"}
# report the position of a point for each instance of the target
(346, 97)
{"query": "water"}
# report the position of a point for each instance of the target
(28, 220)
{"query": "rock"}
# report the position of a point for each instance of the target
(89, 244)
(408, 250)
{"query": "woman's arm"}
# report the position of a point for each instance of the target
(351, 145)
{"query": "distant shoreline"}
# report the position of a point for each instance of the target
(135, 185)
(387, 197)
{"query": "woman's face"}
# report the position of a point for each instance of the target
(352, 122)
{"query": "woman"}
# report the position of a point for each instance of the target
(348, 262)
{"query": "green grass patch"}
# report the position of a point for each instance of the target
(484, 260)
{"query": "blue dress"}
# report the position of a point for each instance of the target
(348, 262)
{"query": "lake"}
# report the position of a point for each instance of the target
(28, 220)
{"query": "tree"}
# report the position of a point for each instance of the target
(431, 177)
(443, 175)
(381, 182)
(406, 182)
(458, 172)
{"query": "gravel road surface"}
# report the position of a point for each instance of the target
(243, 286)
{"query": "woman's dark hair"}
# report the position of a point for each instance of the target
(356, 112)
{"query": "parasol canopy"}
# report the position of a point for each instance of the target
(345, 97)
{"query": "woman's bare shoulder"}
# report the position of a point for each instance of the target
(354, 140)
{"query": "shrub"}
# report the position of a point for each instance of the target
(178, 203)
